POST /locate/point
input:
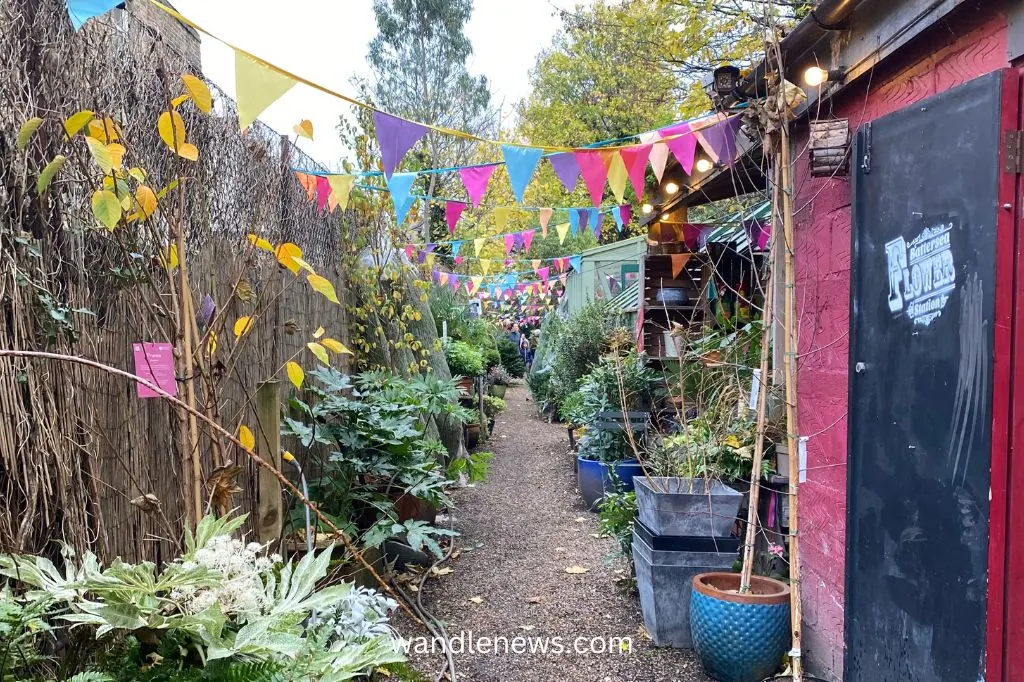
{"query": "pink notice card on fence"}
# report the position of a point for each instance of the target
(155, 363)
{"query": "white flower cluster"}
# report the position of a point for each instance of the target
(242, 566)
(362, 615)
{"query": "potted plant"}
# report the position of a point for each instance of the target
(498, 381)
(464, 361)
(492, 407)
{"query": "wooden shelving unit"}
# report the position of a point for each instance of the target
(671, 300)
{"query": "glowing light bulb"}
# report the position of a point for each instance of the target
(671, 188)
(704, 165)
(647, 209)
(665, 217)
(815, 76)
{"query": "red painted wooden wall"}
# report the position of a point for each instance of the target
(949, 54)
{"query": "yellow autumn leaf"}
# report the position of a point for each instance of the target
(303, 264)
(116, 152)
(179, 100)
(96, 129)
(77, 121)
(48, 173)
(261, 243)
(320, 331)
(199, 91)
(324, 286)
(188, 151)
(211, 343)
(286, 254)
(246, 437)
(106, 208)
(146, 198)
(335, 346)
(137, 173)
(171, 127)
(27, 130)
(320, 352)
(100, 154)
(111, 129)
(169, 257)
(243, 325)
(304, 129)
(295, 373)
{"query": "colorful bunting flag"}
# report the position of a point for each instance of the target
(323, 192)
(475, 179)
(257, 86)
(409, 251)
(485, 265)
(617, 176)
(476, 281)
(562, 230)
(635, 160)
(458, 260)
(521, 163)
(501, 215)
(566, 168)
(719, 141)
(544, 215)
(528, 239)
(543, 273)
(395, 137)
(82, 11)
(536, 264)
(574, 221)
(456, 245)
(510, 241)
(625, 213)
(452, 212)
(576, 262)
(477, 245)
(400, 184)
(341, 188)
(617, 216)
(595, 221)
(678, 263)
(453, 282)
(595, 172)
(684, 147)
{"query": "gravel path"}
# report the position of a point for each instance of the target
(520, 530)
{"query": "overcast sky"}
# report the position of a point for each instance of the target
(325, 41)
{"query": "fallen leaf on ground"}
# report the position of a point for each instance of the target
(442, 571)
(596, 535)
(455, 554)
(576, 570)
(534, 600)
(643, 632)
(528, 627)
(559, 549)
(580, 519)
(477, 600)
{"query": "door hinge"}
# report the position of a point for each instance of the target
(1013, 151)
(865, 159)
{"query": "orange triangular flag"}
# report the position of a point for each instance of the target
(678, 263)
(545, 215)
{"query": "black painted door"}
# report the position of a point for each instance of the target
(923, 282)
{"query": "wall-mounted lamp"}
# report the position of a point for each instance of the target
(671, 188)
(665, 217)
(815, 76)
(726, 77)
(647, 209)
(704, 165)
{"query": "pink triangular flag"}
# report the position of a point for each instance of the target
(475, 179)
(544, 215)
(543, 273)
(683, 148)
(635, 159)
(528, 239)
(458, 260)
(452, 212)
(323, 192)
(626, 213)
(409, 251)
(595, 173)
(510, 241)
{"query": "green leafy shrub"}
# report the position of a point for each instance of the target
(493, 405)
(464, 359)
(617, 513)
(511, 358)
(577, 349)
(475, 466)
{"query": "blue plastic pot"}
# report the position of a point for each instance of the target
(739, 637)
(595, 479)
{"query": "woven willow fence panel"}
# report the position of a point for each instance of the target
(77, 445)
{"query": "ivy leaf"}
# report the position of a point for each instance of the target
(243, 325)
(51, 169)
(188, 151)
(304, 129)
(335, 346)
(295, 374)
(323, 286)
(320, 352)
(171, 127)
(100, 154)
(106, 208)
(245, 435)
(199, 92)
(260, 243)
(77, 121)
(146, 199)
(27, 130)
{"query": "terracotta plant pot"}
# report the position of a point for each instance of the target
(411, 508)
(739, 637)
(467, 385)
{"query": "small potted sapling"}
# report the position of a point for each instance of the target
(498, 381)
(464, 361)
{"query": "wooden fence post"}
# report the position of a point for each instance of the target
(268, 446)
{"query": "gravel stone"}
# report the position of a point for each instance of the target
(531, 525)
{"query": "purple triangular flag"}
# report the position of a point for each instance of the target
(395, 136)
(452, 212)
(583, 216)
(720, 140)
(566, 168)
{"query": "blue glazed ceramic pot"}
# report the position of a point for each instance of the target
(594, 478)
(739, 637)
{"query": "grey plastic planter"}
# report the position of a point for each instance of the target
(686, 507)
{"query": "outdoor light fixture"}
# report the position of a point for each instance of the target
(726, 79)
(647, 209)
(671, 188)
(815, 76)
(665, 217)
(704, 165)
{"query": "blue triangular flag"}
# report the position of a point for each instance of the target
(574, 222)
(399, 185)
(521, 162)
(576, 262)
(595, 221)
(455, 248)
(617, 214)
(82, 11)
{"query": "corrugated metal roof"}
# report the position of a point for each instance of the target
(732, 230)
(628, 299)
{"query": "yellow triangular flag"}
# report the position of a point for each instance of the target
(562, 230)
(341, 187)
(478, 244)
(257, 86)
(535, 263)
(501, 214)
(485, 265)
(429, 260)
(617, 176)
(476, 281)
(544, 215)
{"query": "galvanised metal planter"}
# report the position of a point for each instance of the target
(497, 390)
(739, 637)
(686, 507)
